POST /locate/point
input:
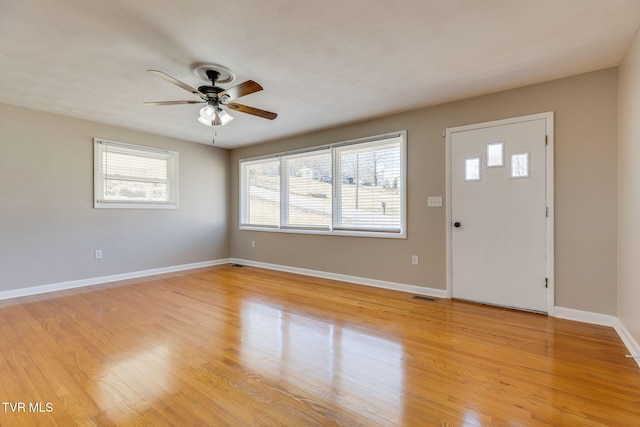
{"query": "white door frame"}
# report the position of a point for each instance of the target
(549, 185)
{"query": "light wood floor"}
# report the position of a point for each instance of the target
(244, 346)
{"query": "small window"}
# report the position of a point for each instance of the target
(131, 176)
(472, 169)
(495, 154)
(307, 190)
(260, 193)
(520, 165)
(369, 177)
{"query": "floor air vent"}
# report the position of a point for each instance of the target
(428, 299)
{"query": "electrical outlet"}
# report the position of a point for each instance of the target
(97, 253)
(253, 243)
(414, 259)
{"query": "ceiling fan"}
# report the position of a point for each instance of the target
(216, 97)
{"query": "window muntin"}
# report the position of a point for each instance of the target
(351, 188)
(131, 176)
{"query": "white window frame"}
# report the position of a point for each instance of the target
(171, 157)
(245, 196)
(333, 230)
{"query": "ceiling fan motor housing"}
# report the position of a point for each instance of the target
(210, 90)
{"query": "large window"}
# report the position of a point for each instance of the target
(131, 176)
(352, 188)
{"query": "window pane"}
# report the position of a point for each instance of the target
(472, 169)
(495, 155)
(308, 190)
(134, 191)
(520, 165)
(370, 180)
(261, 193)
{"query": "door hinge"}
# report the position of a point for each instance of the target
(546, 212)
(546, 140)
(546, 282)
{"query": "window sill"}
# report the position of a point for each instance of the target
(348, 233)
(118, 205)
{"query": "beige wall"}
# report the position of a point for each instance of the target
(586, 155)
(629, 192)
(49, 228)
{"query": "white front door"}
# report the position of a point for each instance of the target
(499, 212)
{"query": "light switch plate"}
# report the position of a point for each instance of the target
(434, 201)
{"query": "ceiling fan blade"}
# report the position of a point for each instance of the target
(177, 82)
(251, 110)
(174, 102)
(241, 90)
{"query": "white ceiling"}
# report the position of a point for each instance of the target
(321, 63)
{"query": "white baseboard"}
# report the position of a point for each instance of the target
(585, 316)
(603, 320)
(35, 290)
(631, 344)
(420, 290)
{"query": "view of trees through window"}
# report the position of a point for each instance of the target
(369, 186)
(298, 190)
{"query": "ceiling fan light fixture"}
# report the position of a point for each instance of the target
(205, 122)
(216, 121)
(210, 116)
(207, 112)
(224, 118)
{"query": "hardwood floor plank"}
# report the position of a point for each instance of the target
(229, 346)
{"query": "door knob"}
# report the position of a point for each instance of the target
(457, 224)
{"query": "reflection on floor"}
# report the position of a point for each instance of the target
(323, 358)
(244, 346)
